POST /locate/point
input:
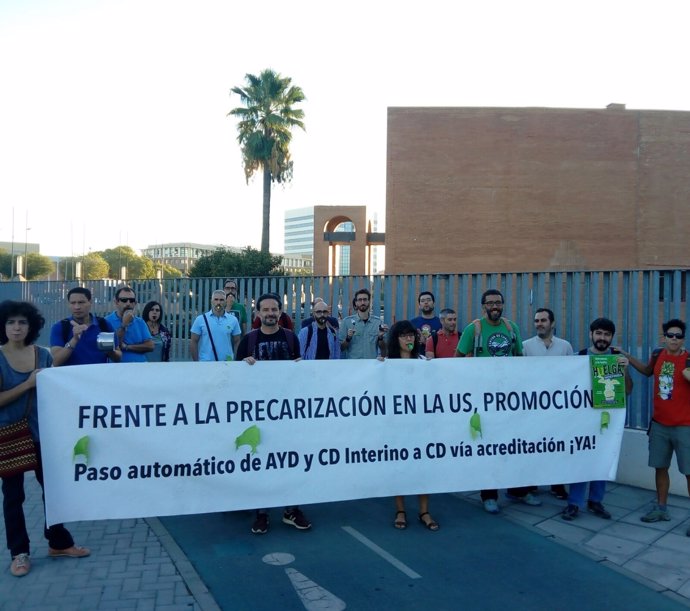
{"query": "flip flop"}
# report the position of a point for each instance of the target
(400, 524)
(431, 525)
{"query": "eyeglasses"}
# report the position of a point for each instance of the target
(674, 335)
(127, 299)
(491, 304)
(320, 311)
(407, 335)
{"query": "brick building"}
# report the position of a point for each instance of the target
(525, 189)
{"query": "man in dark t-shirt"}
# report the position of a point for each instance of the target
(271, 342)
(319, 340)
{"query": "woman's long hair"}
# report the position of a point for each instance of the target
(402, 327)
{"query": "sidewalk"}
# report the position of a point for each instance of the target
(657, 554)
(135, 564)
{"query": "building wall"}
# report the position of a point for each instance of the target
(524, 189)
(299, 231)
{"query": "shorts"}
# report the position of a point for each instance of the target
(663, 441)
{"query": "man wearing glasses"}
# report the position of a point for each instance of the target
(233, 304)
(362, 335)
(494, 335)
(319, 340)
(132, 332)
(670, 426)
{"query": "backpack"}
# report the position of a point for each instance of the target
(65, 323)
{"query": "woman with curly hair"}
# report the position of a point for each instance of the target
(20, 362)
(403, 344)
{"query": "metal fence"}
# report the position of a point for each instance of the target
(637, 301)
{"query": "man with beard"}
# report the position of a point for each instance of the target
(216, 333)
(271, 342)
(444, 343)
(132, 332)
(233, 305)
(601, 333)
(494, 335)
(545, 343)
(362, 335)
(332, 320)
(319, 340)
(428, 322)
(669, 430)
(73, 341)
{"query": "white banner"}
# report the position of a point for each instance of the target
(137, 440)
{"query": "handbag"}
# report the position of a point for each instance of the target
(17, 447)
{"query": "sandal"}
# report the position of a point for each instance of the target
(400, 523)
(430, 524)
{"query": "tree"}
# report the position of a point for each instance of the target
(38, 265)
(93, 267)
(265, 131)
(124, 256)
(250, 262)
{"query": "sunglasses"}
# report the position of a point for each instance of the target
(674, 335)
(127, 299)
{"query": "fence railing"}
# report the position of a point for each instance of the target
(637, 301)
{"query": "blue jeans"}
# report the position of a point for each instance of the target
(15, 525)
(576, 495)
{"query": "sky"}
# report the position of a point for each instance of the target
(113, 113)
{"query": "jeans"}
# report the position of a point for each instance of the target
(576, 495)
(15, 525)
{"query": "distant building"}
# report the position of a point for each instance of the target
(299, 232)
(298, 265)
(182, 255)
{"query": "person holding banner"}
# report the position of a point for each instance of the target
(601, 332)
(271, 342)
(403, 344)
(669, 430)
(20, 362)
(545, 343)
(494, 335)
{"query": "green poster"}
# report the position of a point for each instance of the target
(608, 381)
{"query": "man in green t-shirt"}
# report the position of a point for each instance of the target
(230, 286)
(493, 335)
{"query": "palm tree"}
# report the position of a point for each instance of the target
(264, 132)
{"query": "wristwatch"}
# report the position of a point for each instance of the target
(123, 346)
(68, 345)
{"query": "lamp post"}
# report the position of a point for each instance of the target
(26, 247)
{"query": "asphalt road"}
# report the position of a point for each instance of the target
(353, 558)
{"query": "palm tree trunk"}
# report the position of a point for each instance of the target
(266, 227)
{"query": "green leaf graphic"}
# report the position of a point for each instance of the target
(605, 419)
(81, 448)
(250, 437)
(475, 425)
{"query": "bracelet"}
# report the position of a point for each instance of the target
(68, 345)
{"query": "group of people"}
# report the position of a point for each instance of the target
(221, 335)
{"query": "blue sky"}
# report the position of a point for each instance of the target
(113, 113)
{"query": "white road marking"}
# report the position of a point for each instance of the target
(401, 566)
(312, 595)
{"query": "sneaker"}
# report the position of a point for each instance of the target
(656, 515)
(598, 510)
(559, 491)
(21, 565)
(295, 517)
(570, 512)
(491, 506)
(527, 499)
(260, 526)
(75, 551)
